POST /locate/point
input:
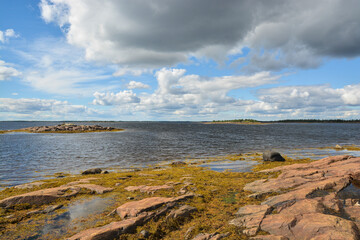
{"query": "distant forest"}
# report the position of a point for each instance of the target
(292, 121)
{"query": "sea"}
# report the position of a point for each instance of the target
(26, 157)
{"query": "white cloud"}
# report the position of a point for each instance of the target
(7, 72)
(33, 108)
(137, 85)
(120, 98)
(137, 34)
(178, 93)
(8, 33)
(307, 102)
(351, 95)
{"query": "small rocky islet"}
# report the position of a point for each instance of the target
(280, 199)
(65, 128)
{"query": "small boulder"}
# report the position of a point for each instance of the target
(272, 156)
(178, 164)
(92, 171)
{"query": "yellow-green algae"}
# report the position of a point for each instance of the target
(220, 195)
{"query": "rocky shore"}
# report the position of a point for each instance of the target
(65, 128)
(314, 200)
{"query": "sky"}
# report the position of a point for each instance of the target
(179, 60)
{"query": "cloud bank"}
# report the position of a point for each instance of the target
(151, 34)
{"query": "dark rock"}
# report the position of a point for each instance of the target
(92, 171)
(105, 172)
(178, 164)
(272, 156)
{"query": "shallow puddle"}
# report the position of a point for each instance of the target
(352, 191)
(232, 166)
(78, 214)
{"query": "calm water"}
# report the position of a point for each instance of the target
(25, 157)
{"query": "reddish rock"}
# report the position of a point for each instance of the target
(212, 236)
(310, 194)
(132, 209)
(29, 185)
(182, 213)
(269, 237)
(95, 188)
(48, 195)
(250, 217)
(148, 189)
(113, 230)
(40, 197)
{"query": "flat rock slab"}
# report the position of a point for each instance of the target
(250, 217)
(29, 185)
(113, 230)
(148, 189)
(310, 226)
(95, 188)
(132, 209)
(40, 197)
(182, 213)
(311, 203)
(46, 196)
(211, 236)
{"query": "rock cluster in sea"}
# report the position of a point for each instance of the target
(312, 201)
(68, 128)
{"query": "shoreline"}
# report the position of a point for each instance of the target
(216, 194)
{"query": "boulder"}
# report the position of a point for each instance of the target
(272, 156)
(92, 171)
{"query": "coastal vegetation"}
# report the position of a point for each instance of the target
(219, 195)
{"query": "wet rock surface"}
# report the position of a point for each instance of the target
(134, 214)
(67, 127)
(46, 196)
(318, 200)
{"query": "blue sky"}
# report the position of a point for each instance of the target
(183, 60)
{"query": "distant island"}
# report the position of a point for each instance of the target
(256, 122)
(65, 128)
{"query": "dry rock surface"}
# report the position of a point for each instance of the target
(318, 200)
(148, 189)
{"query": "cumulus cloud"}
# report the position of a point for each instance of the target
(7, 72)
(182, 94)
(8, 33)
(122, 97)
(151, 34)
(307, 101)
(137, 85)
(34, 108)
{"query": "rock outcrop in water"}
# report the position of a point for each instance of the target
(314, 207)
(272, 156)
(66, 128)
